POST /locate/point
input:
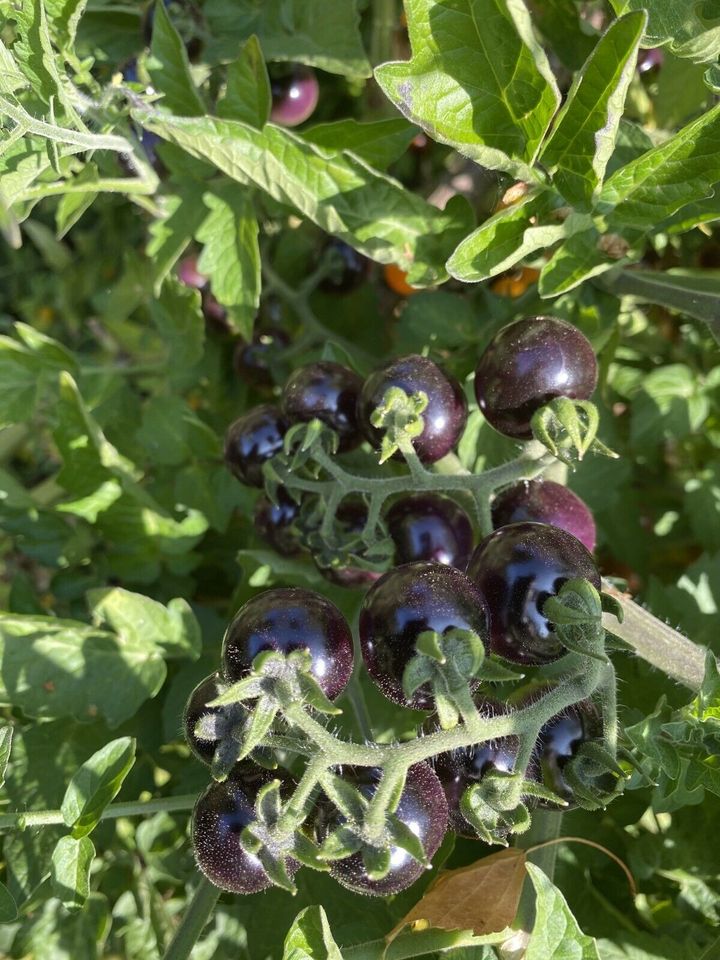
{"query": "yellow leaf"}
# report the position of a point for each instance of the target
(482, 897)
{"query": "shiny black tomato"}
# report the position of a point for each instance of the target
(544, 501)
(328, 391)
(287, 619)
(528, 364)
(197, 708)
(220, 815)
(444, 417)
(422, 808)
(252, 440)
(406, 602)
(427, 526)
(460, 769)
(559, 741)
(348, 268)
(273, 521)
(516, 569)
(295, 94)
(351, 517)
(253, 361)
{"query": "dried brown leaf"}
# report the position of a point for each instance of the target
(482, 897)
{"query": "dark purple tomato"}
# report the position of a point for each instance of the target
(427, 526)
(295, 94)
(350, 517)
(422, 807)
(197, 708)
(526, 365)
(559, 741)
(328, 391)
(349, 269)
(288, 619)
(544, 501)
(253, 440)
(220, 815)
(406, 602)
(516, 569)
(213, 311)
(188, 273)
(444, 417)
(460, 769)
(273, 521)
(650, 61)
(253, 361)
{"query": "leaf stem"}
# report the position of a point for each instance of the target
(656, 642)
(197, 915)
(139, 808)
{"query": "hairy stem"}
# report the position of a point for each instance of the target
(46, 818)
(656, 642)
(197, 915)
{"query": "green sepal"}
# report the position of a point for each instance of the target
(495, 672)
(348, 800)
(249, 688)
(464, 651)
(308, 853)
(314, 697)
(402, 836)
(560, 613)
(429, 644)
(531, 788)
(224, 759)
(339, 844)
(418, 671)
(276, 870)
(250, 842)
(268, 663)
(568, 428)
(261, 719)
(376, 861)
(268, 803)
(446, 710)
(578, 596)
(397, 792)
(612, 605)
(399, 415)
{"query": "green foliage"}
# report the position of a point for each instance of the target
(126, 545)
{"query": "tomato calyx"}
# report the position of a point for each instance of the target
(399, 415)
(576, 613)
(568, 428)
(444, 663)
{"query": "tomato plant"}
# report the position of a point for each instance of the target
(359, 478)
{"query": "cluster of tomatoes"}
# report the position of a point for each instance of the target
(543, 537)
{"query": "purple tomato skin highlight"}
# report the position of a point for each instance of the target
(545, 501)
(294, 96)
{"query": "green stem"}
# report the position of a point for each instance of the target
(384, 23)
(197, 915)
(656, 642)
(46, 818)
(298, 302)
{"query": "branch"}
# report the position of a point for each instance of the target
(656, 642)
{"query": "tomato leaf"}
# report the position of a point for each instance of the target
(583, 137)
(371, 212)
(478, 80)
(310, 938)
(95, 785)
(556, 934)
(70, 870)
